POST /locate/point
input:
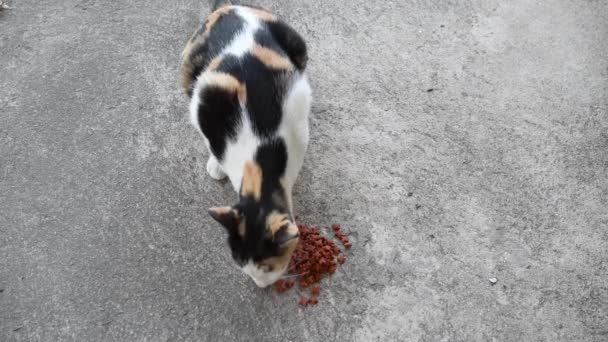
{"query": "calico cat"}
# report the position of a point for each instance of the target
(243, 70)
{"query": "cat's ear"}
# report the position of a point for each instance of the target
(287, 234)
(227, 217)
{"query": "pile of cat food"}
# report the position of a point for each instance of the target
(314, 257)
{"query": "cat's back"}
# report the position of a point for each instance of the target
(240, 66)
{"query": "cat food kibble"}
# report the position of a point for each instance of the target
(315, 290)
(314, 257)
(283, 285)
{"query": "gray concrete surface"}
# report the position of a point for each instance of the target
(104, 234)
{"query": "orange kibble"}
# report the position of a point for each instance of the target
(315, 256)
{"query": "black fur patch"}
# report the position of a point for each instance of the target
(291, 42)
(219, 116)
(231, 65)
(265, 93)
(272, 158)
(265, 39)
(256, 244)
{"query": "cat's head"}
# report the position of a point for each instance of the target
(261, 234)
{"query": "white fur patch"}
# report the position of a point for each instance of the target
(249, 17)
(214, 169)
(243, 42)
(239, 151)
(261, 278)
(194, 104)
(294, 127)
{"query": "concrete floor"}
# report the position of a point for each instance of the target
(456, 140)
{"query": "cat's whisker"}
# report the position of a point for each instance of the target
(291, 276)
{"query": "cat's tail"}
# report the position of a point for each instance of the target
(215, 4)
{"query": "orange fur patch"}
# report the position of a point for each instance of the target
(215, 63)
(228, 82)
(275, 221)
(221, 210)
(187, 49)
(252, 180)
(271, 58)
(186, 78)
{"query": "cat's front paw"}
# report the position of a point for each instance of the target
(214, 169)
